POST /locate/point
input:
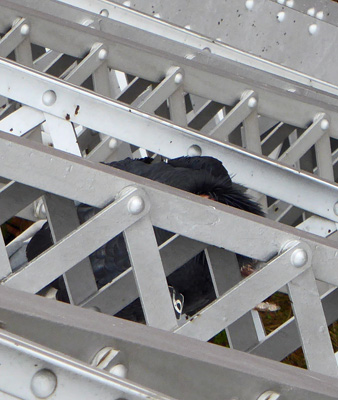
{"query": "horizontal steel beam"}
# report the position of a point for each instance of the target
(283, 94)
(43, 372)
(192, 216)
(199, 370)
(163, 137)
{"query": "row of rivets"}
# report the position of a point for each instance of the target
(312, 13)
(313, 28)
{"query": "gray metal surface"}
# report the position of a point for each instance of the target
(101, 82)
(277, 31)
(156, 359)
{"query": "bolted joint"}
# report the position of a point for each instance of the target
(178, 78)
(299, 258)
(175, 73)
(109, 359)
(43, 383)
(325, 124)
(323, 120)
(249, 97)
(103, 54)
(252, 102)
(300, 253)
(24, 30)
(136, 205)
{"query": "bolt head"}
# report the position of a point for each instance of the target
(249, 4)
(94, 308)
(113, 143)
(136, 205)
(178, 78)
(290, 3)
(252, 102)
(299, 258)
(119, 370)
(104, 13)
(194, 151)
(49, 98)
(325, 124)
(188, 27)
(320, 15)
(127, 3)
(43, 383)
(103, 53)
(281, 16)
(335, 208)
(281, 1)
(25, 30)
(311, 11)
(313, 29)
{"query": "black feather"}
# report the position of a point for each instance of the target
(198, 175)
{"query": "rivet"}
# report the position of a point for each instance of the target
(104, 13)
(119, 370)
(103, 53)
(335, 208)
(281, 1)
(249, 4)
(299, 258)
(178, 78)
(290, 3)
(188, 27)
(313, 29)
(252, 102)
(113, 143)
(136, 205)
(320, 15)
(49, 98)
(127, 3)
(311, 11)
(325, 124)
(24, 30)
(281, 16)
(157, 15)
(269, 395)
(194, 151)
(93, 308)
(43, 383)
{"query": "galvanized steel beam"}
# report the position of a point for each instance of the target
(199, 370)
(132, 126)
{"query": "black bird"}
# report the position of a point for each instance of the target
(204, 176)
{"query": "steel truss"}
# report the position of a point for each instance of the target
(100, 82)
